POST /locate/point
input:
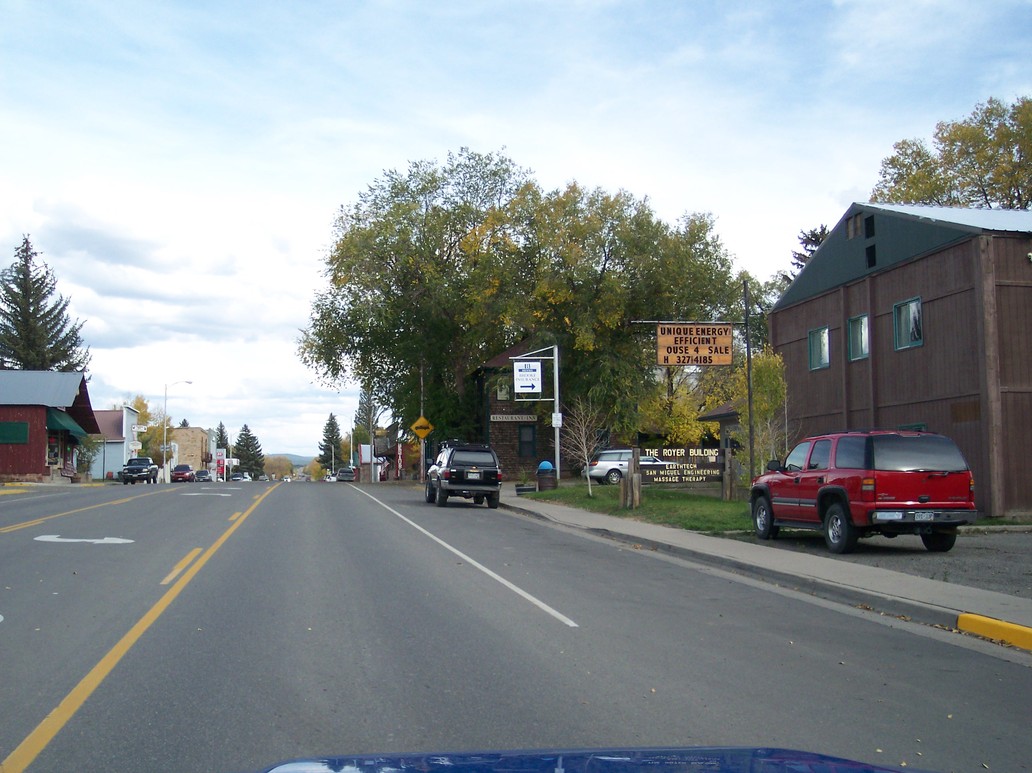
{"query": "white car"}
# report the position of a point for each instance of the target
(610, 466)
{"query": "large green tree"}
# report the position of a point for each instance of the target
(36, 332)
(222, 438)
(330, 455)
(249, 451)
(983, 161)
(407, 270)
(437, 270)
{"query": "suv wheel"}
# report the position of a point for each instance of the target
(492, 500)
(428, 495)
(440, 498)
(613, 476)
(839, 532)
(939, 541)
(763, 519)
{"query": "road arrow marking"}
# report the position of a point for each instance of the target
(101, 541)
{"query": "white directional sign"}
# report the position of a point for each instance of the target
(526, 376)
(101, 541)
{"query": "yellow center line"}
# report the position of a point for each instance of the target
(38, 521)
(181, 566)
(27, 751)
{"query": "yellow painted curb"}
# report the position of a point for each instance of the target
(990, 628)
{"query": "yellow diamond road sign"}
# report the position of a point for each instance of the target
(422, 427)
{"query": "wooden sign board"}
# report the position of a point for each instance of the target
(695, 343)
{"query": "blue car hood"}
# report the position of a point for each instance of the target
(687, 760)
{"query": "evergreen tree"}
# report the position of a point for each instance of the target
(810, 241)
(368, 413)
(330, 455)
(222, 438)
(35, 330)
(249, 451)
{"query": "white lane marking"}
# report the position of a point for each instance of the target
(101, 541)
(514, 588)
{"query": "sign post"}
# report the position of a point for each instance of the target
(526, 376)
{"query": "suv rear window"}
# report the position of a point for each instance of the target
(902, 453)
(479, 458)
(850, 453)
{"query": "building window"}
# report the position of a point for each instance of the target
(859, 343)
(14, 432)
(502, 393)
(820, 349)
(871, 253)
(869, 227)
(853, 225)
(527, 441)
(906, 318)
(920, 427)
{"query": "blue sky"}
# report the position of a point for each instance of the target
(179, 164)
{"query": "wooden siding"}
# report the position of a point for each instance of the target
(25, 461)
(1013, 277)
(1017, 429)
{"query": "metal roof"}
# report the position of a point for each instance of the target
(39, 387)
(1011, 220)
(899, 232)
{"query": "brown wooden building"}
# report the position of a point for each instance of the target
(921, 317)
(43, 415)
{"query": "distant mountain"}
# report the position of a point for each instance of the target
(295, 459)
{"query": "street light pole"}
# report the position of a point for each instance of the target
(164, 430)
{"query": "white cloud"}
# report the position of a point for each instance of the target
(180, 165)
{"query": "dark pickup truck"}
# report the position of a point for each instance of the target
(140, 468)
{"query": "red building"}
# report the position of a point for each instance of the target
(43, 415)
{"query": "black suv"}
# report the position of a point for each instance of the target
(465, 470)
(855, 484)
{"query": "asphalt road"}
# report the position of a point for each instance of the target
(224, 628)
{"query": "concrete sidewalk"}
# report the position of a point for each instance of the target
(984, 613)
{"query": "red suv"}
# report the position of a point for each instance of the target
(855, 484)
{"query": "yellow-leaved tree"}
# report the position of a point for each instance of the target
(772, 432)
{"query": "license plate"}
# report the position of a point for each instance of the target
(924, 516)
(471, 475)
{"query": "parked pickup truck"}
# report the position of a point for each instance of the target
(140, 468)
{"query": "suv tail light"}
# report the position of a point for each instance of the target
(446, 474)
(867, 491)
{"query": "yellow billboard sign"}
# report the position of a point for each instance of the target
(695, 343)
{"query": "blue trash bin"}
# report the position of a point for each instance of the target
(546, 478)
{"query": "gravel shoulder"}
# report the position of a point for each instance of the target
(997, 558)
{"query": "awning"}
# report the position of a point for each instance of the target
(60, 420)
